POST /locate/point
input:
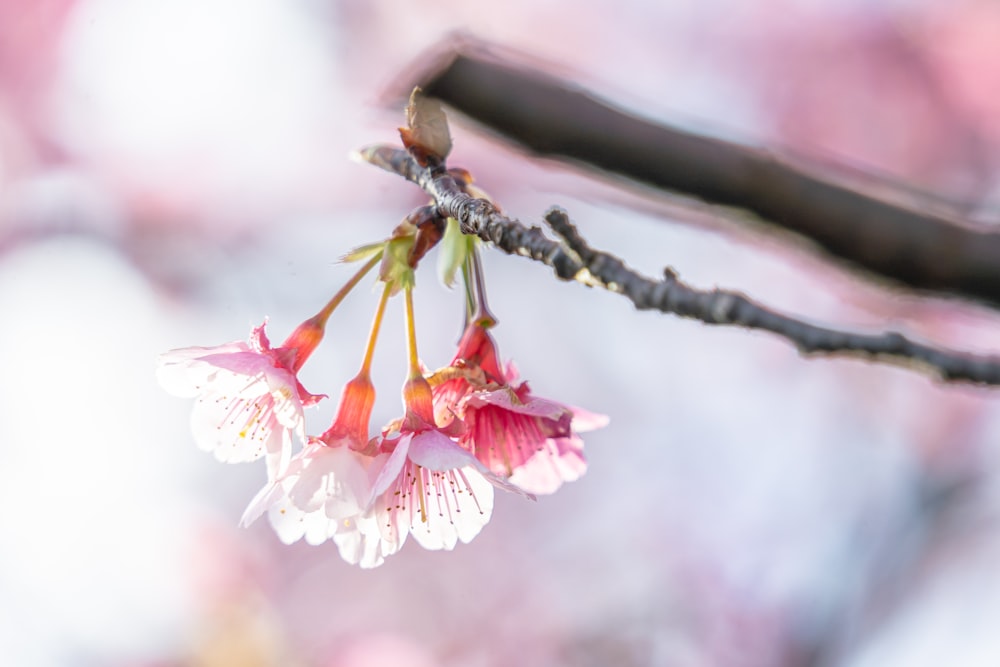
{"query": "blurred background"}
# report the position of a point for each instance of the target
(173, 172)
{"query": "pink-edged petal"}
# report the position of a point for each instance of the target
(560, 461)
(584, 420)
(247, 363)
(181, 372)
(506, 399)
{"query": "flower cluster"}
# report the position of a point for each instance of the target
(466, 428)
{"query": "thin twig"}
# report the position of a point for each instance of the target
(573, 259)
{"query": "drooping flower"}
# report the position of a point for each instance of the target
(430, 487)
(326, 490)
(250, 401)
(325, 493)
(530, 440)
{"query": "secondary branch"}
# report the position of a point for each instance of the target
(571, 258)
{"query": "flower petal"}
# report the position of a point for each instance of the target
(507, 399)
(435, 451)
(237, 430)
(560, 461)
(456, 505)
(360, 542)
(393, 466)
(182, 373)
(292, 524)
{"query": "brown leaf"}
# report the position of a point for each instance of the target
(426, 135)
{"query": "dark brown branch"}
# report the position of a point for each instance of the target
(572, 259)
(553, 118)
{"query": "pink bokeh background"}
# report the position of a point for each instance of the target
(171, 173)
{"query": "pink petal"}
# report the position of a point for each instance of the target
(584, 420)
(243, 363)
(182, 373)
(435, 451)
(506, 399)
(560, 461)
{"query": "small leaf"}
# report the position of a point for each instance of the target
(454, 250)
(363, 252)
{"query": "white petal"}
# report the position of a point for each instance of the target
(457, 504)
(237, 430)
(261, 502)
(291, 524)
(436, 451)
(393, 466)
(360, 542)
(332, 479)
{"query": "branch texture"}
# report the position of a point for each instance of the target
(571, 258)
(553, 118)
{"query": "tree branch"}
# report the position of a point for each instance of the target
(553, 118)
(573, 259)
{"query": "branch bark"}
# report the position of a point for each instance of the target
(922, 250)
(572, 258)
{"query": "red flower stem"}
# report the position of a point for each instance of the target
(322, 316)
(373, 336)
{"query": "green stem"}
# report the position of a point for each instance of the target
(411, 334)
(323, 315)
(376, 325)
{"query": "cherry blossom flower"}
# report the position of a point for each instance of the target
(250, 401)
(530, 440)
(325, 492)
(431, 487)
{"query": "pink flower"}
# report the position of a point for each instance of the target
(249, 398)
(530, 440)
(325, 492)
(431, 487)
